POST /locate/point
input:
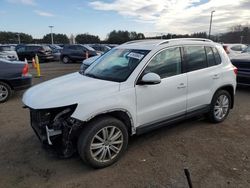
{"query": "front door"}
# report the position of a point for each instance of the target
(166, 100)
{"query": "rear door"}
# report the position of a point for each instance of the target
(203, 76)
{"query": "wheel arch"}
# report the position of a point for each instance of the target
(121, 114)
(230, 90)
(7, 82)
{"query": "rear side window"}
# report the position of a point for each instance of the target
(195, 57)
(32, 48)
(217, 56)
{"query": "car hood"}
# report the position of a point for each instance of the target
(67, 90)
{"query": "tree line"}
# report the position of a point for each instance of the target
(236, 34)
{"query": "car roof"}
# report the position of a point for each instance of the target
(149, 44)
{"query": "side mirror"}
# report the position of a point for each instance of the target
(150, 79)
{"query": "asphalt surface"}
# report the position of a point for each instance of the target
(216, 155)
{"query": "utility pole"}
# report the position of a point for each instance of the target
(241, 39)
(211, 18)
(18, 36)
(51, 34)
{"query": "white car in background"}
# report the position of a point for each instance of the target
(133, 88)
(235, 51)
(8, 52)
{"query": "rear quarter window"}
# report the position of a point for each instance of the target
(217, 56)
(210, 56)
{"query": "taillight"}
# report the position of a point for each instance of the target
(25, 70)
(226, 49)
(235, 70)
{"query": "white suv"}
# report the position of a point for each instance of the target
(133, 88)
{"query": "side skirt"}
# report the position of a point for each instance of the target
(155, 125)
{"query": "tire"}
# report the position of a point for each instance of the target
(220, 106)
(66, 59)
(103, 153)
(5, 92)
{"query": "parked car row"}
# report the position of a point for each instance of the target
(49, 52)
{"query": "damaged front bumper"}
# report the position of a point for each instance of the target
(56, 127)
(51, 133)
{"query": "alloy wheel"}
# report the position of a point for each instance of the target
(106, 144)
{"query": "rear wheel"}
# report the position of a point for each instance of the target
(65, 59)
(220, 106)
(5, 92)
(103, 142)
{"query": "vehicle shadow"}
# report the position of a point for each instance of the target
(243, 88)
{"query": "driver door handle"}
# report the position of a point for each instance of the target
(181, 86)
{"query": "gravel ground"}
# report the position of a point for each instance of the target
(216, 155)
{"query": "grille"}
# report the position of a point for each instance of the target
(39, 119)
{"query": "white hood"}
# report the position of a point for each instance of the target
(67, 90)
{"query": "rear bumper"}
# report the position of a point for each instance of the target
(46, 57)
(21, 83)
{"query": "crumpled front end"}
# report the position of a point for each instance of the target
(56, 127)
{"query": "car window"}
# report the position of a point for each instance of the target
(46, 48)
(73, 47)
(195, 57)
(32, 48)
(217, 56)
(166, 63)
(89, 48)
(21, 49)
(210, 57)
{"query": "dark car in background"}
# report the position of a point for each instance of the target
(14, 75)
(29, 51)
(76, 52)
(100, 48)
(56, 51)
(243, 76)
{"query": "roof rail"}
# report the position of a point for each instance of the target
(135, 41)
(187, 39)
(165, 41)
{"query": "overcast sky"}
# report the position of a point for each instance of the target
(99, 17)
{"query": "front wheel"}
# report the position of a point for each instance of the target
(220, 106)
(103, 141)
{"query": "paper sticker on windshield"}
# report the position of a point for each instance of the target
(135, 55)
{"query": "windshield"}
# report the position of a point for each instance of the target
(89, 48)
(7, 48)
(116, 65)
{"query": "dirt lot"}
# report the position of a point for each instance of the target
(216, 155)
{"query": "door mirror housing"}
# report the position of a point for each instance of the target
(150, 79)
